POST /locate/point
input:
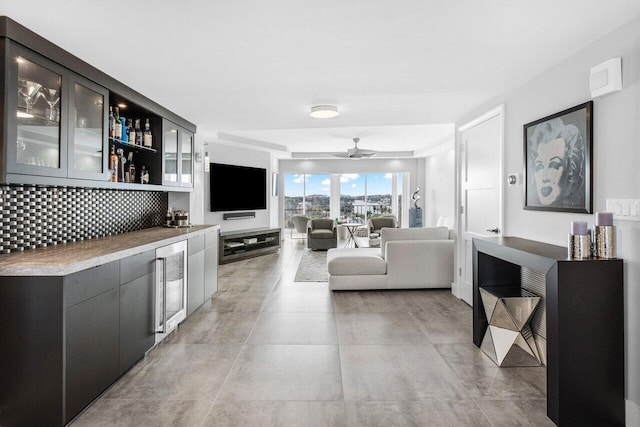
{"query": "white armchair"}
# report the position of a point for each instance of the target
(300, 224)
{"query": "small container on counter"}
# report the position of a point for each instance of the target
(181, 218)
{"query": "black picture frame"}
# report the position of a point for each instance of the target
(558, 161)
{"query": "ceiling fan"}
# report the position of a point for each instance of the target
(357, 153)
(351, 153)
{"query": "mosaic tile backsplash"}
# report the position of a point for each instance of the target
(39, 216)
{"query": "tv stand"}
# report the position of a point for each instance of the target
(584, 324)
(238, 245)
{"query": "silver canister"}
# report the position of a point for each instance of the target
(605, 241)
(579, 246)
(181, 218)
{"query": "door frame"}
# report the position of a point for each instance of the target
(498, 111)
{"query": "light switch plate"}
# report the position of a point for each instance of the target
(606, 77)
(624, 209)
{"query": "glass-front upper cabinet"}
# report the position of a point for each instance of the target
(35, 101)
(55, 119)
(186, 158)
(87, 131)
(169, 154)
(177, 155)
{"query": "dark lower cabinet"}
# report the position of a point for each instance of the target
(31, 354)
(136, 307)
(195, 273)
(136, 320)
(195, 288)
(92, 340)
(203, 269)
(210, 263)
(66, 339)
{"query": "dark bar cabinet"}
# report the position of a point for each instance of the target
(584, 324)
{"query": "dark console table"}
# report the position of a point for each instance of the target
(584, 324)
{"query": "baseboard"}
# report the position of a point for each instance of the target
(466, 294)
(632, 414)
(454, 289)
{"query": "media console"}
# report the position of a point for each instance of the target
(584, 324)
(237, 245)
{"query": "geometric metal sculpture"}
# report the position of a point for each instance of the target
(508, 340)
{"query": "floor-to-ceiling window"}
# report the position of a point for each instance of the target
(293, 197)
(352, 193)
(306, 194)
(317, 195)
(361, 196)
(379, 200)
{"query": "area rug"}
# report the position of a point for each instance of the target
(312, 267)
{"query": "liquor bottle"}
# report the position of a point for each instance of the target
(113, 164)
(132, 168)
(132, 132)
(148, 138)
(112, 123)
(128, 129)
(144, 176)
(121, 161)
(139, 135)
(117, 124)
(124, 134)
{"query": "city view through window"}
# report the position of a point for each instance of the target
(362, 196)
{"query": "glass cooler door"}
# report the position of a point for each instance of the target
(171, 288)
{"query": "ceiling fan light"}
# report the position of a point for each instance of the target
(324, 112)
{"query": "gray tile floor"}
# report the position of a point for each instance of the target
(267, 351)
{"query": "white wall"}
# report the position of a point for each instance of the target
(196, 204)
(616, 160)
(229, 154)
(438, 197)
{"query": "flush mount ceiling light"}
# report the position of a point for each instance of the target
(324, 112)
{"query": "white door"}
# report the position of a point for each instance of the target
(480, 190)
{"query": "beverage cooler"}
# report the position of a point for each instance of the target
(170, 288)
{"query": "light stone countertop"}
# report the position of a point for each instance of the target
(67, 258)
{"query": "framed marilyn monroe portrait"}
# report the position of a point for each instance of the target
(558, 163)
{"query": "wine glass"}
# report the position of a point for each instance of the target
(30, 94)
(51, 98)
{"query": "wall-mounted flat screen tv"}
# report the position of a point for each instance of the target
(237, 188)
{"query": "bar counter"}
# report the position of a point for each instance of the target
(67, 258)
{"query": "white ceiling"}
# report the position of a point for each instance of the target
(252, 69)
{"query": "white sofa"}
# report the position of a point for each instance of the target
(407, 258)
